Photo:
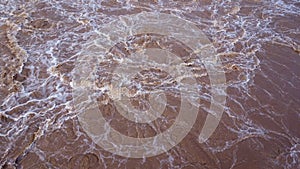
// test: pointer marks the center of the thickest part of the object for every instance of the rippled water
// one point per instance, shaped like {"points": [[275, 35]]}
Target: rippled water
{"points": [[257, 41]]}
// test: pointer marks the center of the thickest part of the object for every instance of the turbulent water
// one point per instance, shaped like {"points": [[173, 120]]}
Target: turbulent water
{"points": [[258, 43]]}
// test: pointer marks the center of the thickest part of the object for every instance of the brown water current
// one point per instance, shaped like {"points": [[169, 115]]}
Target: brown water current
{"points": [[42, 44]]}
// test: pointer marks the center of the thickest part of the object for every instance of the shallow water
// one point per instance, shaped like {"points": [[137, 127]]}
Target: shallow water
{"points": [[258, 43]]}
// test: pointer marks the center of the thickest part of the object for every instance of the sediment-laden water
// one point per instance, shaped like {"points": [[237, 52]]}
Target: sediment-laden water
{"points": [[257, 42]]}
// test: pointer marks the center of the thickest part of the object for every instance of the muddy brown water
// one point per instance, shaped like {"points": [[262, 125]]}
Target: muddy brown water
{"points": [[257, 41]]}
